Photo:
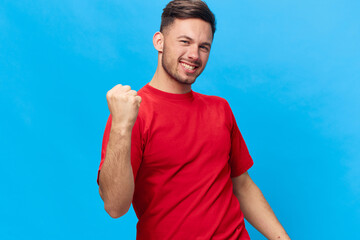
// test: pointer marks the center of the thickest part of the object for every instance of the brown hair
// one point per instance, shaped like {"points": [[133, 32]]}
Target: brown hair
{"points": [[184, 9]]}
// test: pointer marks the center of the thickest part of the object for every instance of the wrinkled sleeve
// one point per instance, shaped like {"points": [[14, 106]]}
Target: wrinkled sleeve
{"points": [[136, 146], [240, 160]]}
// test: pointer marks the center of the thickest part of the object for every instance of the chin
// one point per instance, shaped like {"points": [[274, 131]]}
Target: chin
{"points": [[186, 81]]}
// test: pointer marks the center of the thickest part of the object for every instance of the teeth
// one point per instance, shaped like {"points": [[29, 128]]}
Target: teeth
{"points": [[187, 66]]}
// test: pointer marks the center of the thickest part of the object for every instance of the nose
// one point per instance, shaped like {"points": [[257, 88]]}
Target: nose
{"points": [[193, 53]]}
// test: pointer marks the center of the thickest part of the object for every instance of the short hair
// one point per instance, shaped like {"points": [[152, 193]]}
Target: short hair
{"points": [[184, 9]]}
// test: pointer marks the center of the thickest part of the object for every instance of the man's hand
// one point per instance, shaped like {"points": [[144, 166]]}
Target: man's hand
{"points": [[124, 106]]}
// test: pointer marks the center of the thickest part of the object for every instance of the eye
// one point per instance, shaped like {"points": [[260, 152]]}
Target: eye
{"points": [[185, 41], [205, 48]]}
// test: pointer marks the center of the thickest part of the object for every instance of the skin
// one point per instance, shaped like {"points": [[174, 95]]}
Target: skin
{"points": [[186, 41], [116, 180], [256, 209]]}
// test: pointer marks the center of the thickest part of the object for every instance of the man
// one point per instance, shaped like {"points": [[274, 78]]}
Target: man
{"points": [[178, 155]]}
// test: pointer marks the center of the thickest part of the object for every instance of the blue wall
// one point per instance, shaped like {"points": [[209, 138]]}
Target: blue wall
{"points": [[290, 70]]}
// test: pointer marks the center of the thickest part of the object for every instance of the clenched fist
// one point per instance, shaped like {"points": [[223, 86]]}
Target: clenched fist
{"points": [[124, 106]]}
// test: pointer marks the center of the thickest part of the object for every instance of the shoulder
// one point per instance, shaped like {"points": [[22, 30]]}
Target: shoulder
{"points": [[217, 106], [141, 92], [209, 97], [213, 100]]}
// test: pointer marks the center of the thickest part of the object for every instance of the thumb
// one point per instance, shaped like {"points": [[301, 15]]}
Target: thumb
{"points": [[138, 100]]}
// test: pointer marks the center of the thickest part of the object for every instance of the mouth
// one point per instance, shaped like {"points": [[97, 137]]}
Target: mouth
{"points": [[189, 67]]}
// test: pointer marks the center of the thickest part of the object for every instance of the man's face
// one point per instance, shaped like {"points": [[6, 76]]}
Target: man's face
{"points": [[186, 49]]}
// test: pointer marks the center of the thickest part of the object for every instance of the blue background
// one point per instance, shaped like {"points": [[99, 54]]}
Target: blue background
{"points": [[289, 69]]}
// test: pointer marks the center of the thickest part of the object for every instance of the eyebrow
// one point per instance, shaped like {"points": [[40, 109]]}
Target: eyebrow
{"points": [[189, 38]]}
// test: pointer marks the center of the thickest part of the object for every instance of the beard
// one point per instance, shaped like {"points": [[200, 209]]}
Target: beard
{"points": [[171, 67]]}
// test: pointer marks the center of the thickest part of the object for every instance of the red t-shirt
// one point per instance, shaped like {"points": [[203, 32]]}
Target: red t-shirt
{"points": [[185, 148]]}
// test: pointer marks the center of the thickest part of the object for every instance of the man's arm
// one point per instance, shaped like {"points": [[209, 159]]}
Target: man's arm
{"points": [[116, 180], [256, 209]]}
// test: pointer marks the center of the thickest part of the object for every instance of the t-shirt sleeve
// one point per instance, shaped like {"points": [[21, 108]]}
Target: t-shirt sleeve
{"points": [[136, 146], [240, 160]]}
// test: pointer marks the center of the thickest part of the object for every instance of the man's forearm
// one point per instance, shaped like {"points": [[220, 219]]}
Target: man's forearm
{"points": [[116, 179], [258, 211]]}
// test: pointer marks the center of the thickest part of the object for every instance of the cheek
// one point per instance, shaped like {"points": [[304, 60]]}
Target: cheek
{"points": [[204, 58], [182, 52], [176, 53]]}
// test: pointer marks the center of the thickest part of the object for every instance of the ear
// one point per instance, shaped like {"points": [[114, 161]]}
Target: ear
{"points": [[158, 41]]}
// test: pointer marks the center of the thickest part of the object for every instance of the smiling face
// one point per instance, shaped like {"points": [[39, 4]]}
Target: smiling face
{"points": [[186, 49]]}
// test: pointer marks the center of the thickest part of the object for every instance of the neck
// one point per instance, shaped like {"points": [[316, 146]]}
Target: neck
{"points": [[162, 81]]}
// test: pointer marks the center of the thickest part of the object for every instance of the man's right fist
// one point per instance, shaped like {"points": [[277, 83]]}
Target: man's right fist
{"points": [[124, 106]]}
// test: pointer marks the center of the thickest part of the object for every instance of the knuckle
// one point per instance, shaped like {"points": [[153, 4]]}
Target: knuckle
{"points": [[131, 99], [126, 87], [133, 92], [116, 87], [122, 97]]}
